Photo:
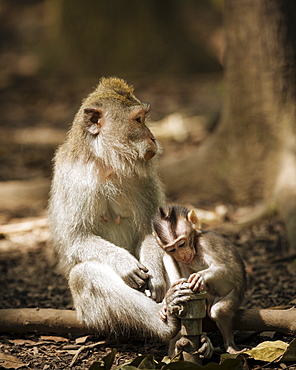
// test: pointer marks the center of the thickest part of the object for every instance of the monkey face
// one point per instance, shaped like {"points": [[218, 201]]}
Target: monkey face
{"points": [[140, 135], [181, 249], [176, 230], [123, 129]]}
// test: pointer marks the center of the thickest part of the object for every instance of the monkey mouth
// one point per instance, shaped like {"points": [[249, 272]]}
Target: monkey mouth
{"points": [[188, 260]]}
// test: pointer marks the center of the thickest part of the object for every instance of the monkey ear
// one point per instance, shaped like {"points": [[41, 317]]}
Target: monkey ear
{"points": [[157, 238], [93, 120], [194, 220], [161, 212]]}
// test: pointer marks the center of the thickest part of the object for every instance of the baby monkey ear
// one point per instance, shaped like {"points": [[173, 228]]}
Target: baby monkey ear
{"points": [[194, 220], [93, 120], [160, 243]]}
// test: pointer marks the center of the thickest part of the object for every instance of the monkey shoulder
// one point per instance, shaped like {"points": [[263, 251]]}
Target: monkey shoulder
{"points": [[215, 243], [218, 250]]}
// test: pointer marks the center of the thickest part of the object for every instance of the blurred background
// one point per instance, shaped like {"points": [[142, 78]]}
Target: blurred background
{"points": [[225, 117], [52, 54]]}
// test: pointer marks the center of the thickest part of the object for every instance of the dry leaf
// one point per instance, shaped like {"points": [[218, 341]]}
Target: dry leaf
{"points": [[10, 362], [54, 338], [21, 342], [35, 351], [268, 351], [81, 340], [71, 351]]}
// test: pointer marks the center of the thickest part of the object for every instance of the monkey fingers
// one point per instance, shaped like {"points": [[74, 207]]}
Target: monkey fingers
{"points": [[206, 350], [140, 277], [142, 267], [163, 313], [157, 289], [140, 280], [179, 292], [196, 282], [135, 274]]}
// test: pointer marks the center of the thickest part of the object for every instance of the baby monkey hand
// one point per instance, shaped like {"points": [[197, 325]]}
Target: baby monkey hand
{"points": [[196, 282], [163, 313]]}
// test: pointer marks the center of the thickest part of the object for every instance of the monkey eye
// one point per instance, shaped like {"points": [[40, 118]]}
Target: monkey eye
{"points": [[172, 250], [138, 119], [182, 245]]}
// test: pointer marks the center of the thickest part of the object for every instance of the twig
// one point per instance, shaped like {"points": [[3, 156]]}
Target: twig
{"points": [[265, 365], [82, 348]]}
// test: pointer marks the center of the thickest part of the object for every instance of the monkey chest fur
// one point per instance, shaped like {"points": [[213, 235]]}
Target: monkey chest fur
{"points": [[124, 214]]}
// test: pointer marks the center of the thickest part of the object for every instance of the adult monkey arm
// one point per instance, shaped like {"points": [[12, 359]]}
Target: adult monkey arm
{"points": [[152, 257], [79, 238]]}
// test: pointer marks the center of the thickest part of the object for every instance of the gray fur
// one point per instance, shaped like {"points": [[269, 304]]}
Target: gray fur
{"points": [[103, 197]]}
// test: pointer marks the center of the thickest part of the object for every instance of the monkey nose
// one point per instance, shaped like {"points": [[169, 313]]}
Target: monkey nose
{"points": [[149, 154], [151, 148]]}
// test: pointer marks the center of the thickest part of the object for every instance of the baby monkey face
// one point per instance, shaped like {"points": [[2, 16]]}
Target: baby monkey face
{"points": [[181, 249], [175, 229]]}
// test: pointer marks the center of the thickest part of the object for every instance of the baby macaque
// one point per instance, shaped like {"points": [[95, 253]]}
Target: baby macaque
{"points": [[209, 262]]}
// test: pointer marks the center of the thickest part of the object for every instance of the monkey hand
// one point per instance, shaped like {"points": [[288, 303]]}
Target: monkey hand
{"points": [[156, 286], [196, 282], [206, 349], [163, 313], [178, 293], [132, 272]]}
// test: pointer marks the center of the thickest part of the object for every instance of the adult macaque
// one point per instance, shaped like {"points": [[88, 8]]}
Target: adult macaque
{"points": [[209, 262], [104, 193]]}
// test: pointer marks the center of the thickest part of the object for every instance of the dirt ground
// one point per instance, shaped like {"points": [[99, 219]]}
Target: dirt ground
{"points": [[35, 116], [28, 279]]}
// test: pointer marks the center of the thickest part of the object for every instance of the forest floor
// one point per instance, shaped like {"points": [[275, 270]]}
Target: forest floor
{"points": [[34, 121]]}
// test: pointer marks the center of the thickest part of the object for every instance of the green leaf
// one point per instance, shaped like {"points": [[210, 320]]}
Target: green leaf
{"points": [[97, 365], [140, 362], [106, 362], [182, 365], [147, 362], [229, 364], [290, 354]]}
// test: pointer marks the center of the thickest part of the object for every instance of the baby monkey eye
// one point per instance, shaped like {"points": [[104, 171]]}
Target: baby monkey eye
{"points": [[182, 245], [138, 119], [172, 250]]}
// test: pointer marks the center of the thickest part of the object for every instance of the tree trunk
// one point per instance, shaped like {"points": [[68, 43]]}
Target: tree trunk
{"points": [[251, 156]]}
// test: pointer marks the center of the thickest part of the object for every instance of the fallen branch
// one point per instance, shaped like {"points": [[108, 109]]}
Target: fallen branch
{"points": [[24, 226], [282, 321], [24, 320], [47, 320]]}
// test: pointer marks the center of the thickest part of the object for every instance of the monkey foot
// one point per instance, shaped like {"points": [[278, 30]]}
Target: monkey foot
{"points": [[234, 350]]}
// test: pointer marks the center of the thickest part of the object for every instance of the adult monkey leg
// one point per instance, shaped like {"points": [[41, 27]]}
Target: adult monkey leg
{"points": [[103, 301]]}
